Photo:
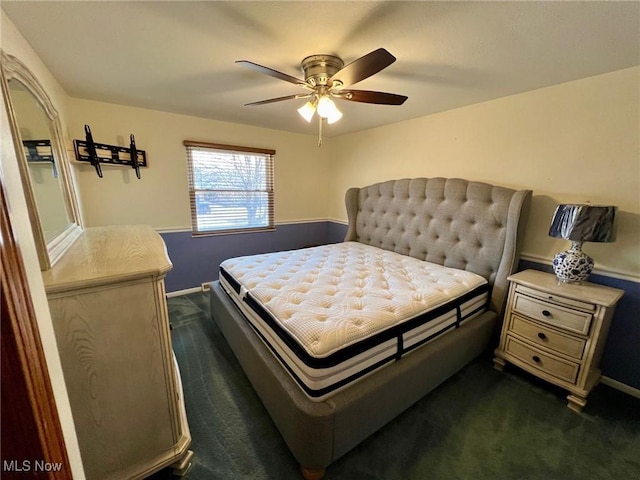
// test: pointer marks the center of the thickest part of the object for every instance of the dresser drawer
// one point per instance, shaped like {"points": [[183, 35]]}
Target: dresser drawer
{"points": [[562, 369], [565, 344], [552, 314]]}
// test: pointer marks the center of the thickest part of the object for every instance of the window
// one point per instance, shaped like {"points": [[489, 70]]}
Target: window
{"points": [[230, 188]]}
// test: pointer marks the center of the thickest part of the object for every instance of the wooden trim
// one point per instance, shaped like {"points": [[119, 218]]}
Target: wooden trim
{"points": [[233, 231], [623, 387], [617, 273], [235, 148], [31, 430]]}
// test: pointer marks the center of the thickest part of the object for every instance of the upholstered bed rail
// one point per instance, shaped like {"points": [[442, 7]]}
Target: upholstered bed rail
{"points": [[449, 221]]}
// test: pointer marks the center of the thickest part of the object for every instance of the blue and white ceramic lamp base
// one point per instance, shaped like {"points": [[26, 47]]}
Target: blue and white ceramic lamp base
{"points": [[573, 265]]}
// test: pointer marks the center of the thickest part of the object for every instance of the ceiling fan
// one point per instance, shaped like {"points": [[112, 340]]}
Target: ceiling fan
{"points": [[326, 77]]}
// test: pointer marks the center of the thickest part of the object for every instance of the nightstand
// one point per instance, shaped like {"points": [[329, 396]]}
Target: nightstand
{"points": [[557, 331]]}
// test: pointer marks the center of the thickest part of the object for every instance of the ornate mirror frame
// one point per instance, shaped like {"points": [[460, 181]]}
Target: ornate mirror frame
{"points": [[48, 251]]}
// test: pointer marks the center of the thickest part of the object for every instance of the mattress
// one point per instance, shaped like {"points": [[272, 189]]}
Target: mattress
{"points": [[335, 313]]}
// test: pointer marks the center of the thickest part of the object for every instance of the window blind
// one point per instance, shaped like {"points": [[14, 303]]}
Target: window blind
{"points": [[230, 188]]}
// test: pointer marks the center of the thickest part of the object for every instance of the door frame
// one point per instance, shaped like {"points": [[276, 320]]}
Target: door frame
{"points": [[31, 430]]}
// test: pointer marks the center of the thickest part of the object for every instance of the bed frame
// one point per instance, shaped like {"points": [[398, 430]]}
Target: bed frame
{"points": [[453, 222]]}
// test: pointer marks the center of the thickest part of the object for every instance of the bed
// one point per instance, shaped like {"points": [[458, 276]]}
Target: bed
{"points": [[337, 340]]}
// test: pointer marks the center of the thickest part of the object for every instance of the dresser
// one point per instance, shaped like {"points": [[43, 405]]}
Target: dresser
{"points": [[557, 331], [107, 301]]}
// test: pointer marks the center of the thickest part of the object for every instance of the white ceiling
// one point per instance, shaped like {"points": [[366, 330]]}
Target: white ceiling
{"points": [[179, 56]]}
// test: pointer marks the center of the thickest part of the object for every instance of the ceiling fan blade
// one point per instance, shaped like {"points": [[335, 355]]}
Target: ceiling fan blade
{"points": [[272, 73], [367, 96], [279, 99], [363, 67]]}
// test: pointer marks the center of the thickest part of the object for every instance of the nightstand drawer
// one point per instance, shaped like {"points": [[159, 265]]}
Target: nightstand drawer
{"points": [[568, 319], [568, 345], [562, 369], [564, 301]]}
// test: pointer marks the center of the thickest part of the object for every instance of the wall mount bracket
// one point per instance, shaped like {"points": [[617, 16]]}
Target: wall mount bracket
{"points": [[100, 153], [39, 151]]}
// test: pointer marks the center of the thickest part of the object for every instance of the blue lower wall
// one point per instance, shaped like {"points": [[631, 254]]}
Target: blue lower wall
{"points": [[336, 232], [196, 260]]}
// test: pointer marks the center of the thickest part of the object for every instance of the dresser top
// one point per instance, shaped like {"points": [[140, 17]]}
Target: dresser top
{"points": [[103, 255], [585, 291]]}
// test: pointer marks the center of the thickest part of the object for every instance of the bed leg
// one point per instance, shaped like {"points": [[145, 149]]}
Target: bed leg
{"points": [[312, 473]]}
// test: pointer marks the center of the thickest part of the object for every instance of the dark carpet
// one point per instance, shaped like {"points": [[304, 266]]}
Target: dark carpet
{"points": [[481, 424]]}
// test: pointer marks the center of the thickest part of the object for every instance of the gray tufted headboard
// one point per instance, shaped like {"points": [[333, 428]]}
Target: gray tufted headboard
{"points": [[453, 222]]}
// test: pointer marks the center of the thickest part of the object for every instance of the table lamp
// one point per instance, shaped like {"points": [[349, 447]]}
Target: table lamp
{"points": [[580, 223]]}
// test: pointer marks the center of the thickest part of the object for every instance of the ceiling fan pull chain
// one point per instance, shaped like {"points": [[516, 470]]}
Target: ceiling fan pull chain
{"points": [[319, 131]]}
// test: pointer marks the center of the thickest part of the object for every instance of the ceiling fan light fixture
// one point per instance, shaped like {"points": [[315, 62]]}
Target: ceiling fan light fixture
{"points": [[334, 117], [325, 76], [327, 109], [307, 110]]}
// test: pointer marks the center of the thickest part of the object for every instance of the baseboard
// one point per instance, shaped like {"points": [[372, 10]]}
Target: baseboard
{"points": [[623, 387], [186, 291]]}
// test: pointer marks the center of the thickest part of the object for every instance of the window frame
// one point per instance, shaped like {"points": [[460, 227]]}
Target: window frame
{"points": [[270, 190]]}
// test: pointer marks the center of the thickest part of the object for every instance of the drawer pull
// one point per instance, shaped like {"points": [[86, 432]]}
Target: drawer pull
{"points": [[536, 359], [542, 336], [546, 313]]}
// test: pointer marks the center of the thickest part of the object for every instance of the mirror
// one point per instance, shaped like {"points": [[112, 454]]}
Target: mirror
{"points": [[39, 146], [33, 125]]}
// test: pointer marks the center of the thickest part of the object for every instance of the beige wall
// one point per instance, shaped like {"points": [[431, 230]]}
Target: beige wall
{"points": [[12, 42], [574, 142], [161, 197]]}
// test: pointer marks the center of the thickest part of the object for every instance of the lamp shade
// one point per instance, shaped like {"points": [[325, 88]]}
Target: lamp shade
{"points": [[327, 109], [584, 223], [307, 111]]}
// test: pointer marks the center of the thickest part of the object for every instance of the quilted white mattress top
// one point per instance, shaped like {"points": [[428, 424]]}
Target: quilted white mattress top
{"points": [[332, 296]]}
